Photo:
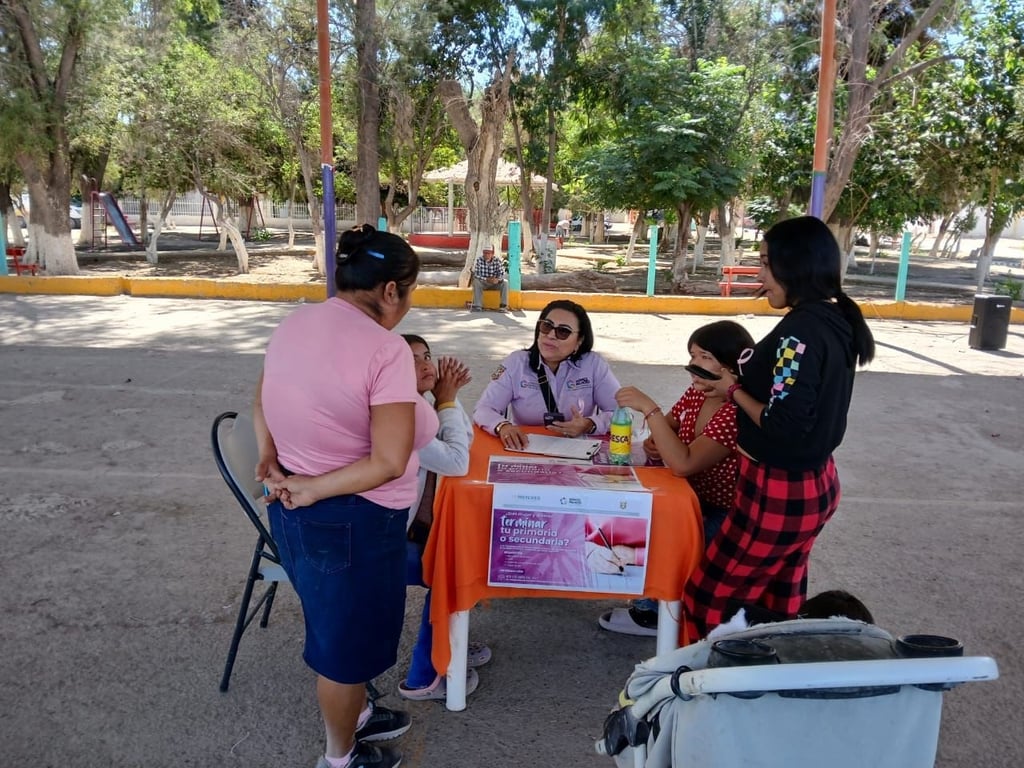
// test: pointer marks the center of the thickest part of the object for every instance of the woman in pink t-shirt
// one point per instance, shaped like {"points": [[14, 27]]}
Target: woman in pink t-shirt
{"points": [[339, 420], [696, 440]]}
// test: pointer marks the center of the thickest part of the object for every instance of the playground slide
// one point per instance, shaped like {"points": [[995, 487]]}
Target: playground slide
{"points": [[117, 219]]}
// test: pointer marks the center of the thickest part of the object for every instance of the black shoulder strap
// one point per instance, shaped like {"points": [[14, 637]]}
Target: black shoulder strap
{"points": [[542, 380], [545, 390]]}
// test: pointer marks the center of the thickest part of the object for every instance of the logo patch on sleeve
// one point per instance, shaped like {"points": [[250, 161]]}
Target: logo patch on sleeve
{"points": [[497, 373]]}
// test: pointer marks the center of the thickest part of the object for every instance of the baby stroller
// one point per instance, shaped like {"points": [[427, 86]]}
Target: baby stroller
{"points": [[833, 692]]}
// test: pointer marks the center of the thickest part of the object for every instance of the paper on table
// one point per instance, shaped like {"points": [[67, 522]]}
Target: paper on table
{"points": [[546, 445]]}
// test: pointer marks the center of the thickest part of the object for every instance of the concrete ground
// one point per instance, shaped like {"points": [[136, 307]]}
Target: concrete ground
{"points": [[124, 553]]}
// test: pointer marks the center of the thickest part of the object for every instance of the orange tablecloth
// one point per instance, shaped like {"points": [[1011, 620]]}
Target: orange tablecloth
{"points": [[456, 556]]}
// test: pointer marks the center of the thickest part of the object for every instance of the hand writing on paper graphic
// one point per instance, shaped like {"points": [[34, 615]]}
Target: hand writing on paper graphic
{"points": [[601, 559]]}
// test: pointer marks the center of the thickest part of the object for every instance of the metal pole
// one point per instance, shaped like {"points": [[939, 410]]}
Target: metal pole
{"points": [[651, 257], [3, 243], [901, 275], [515, 251], [823, 125], [323, 45]]}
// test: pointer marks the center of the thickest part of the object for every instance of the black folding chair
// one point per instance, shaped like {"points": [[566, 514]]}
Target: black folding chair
{"points": [[236, 454]]}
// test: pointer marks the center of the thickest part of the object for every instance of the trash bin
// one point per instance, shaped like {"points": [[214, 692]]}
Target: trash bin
{"points": [[990, 322]]}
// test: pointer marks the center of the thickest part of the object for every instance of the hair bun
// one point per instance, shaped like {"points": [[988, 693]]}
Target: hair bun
{"points": [[353, 240]]}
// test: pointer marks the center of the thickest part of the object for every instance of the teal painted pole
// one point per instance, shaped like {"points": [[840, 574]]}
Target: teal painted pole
{"points": [[651, 258], [3, 244], [382, 224], [901, 276], [515, 255]]}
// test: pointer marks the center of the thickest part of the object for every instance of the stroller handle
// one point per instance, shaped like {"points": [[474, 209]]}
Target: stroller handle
{"points": [[835, 674]]}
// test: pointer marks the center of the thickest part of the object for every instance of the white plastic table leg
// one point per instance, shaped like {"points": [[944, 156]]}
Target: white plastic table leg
{"points": [[458, 636], [669, 612]]}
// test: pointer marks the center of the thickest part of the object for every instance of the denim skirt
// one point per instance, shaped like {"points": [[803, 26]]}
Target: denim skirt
{"points": [[346, 559]]}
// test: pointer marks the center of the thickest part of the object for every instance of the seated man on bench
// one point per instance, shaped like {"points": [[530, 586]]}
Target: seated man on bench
{"points": [[488, 275]]}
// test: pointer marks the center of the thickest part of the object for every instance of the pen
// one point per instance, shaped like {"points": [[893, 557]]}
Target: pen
{"points": [[609, 545]]}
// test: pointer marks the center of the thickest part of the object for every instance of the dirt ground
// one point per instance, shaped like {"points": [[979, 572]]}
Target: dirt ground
{"points": [[185, 254], [125, 553]]}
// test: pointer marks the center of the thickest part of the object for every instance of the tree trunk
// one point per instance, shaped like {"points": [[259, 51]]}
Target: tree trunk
{"points": [[873, 251], [525, 186], [320, 254], [49, 229], [368, 126], [944, 223], [726, 228], [11, 224], [860, 31], [597, 227], [638, 227], [698, 245], [483, 150], [228, 229], [46, 167], [679, 278], [166, 204], [291, 218]]}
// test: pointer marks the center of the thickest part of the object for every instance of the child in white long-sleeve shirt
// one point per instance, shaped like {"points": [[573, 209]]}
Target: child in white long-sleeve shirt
{"points": [[447, 454]]}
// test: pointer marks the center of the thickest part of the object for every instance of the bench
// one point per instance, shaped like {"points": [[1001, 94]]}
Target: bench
{"points": [[15, 253], [730, 282]]}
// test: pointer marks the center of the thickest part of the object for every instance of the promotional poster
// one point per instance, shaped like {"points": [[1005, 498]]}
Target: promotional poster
{"points": [[571, 538]]}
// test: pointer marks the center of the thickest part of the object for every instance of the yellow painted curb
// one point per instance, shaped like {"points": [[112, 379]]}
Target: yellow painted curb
{"points": [[429, 296], [80, 285], [208, 288]]}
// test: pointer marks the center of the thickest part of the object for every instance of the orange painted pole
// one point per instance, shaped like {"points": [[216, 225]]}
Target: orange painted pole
{"points": [[823, 125], [323, 45]]}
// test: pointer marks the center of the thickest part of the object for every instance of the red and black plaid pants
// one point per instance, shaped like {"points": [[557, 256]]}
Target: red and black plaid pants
{"points": [[759, 556]]}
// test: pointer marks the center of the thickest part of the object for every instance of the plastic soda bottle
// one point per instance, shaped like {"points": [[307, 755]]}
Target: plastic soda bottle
{"points": [[620, 444]]}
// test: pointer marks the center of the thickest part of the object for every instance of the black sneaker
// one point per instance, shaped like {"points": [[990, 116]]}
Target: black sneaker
{"points": [[384, 724], [368, 756]]}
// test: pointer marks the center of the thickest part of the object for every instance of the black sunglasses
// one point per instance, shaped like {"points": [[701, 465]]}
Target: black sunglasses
{"points": [[562, 332]]}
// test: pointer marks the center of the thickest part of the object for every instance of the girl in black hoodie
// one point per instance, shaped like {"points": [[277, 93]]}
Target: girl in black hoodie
{"points": [[792, 397]]}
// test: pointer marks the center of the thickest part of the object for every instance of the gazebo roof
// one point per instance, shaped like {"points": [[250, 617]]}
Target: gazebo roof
{"points": [[508, 175]]}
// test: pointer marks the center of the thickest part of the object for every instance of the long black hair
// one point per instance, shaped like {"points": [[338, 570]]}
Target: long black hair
{"points": [[724, 339], [367, 258], [804, 257], [585, 334]]}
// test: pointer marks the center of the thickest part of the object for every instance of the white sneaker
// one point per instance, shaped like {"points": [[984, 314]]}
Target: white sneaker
{"points": [[629, 621]]}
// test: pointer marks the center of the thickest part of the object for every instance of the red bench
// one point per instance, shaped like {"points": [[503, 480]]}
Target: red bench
{"points": [[15, 253], [730, 282]]}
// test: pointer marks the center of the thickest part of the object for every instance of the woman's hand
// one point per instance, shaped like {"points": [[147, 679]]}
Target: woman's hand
{"points": [[576, 426], [268, 472], [631, 397], [512, 436], [721, 386], [651, 450], [452, 375], [295, 490]]}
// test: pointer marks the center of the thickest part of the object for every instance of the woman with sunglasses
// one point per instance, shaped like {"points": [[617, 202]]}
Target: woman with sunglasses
{"points": [[792, 396], [558, 382]]}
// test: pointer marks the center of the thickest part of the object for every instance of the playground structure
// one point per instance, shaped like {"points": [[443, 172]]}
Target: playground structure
{"points": [[104, 211]]}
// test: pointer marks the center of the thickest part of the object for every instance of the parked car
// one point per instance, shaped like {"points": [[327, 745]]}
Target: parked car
{"points": [[23, 211], [577, 223]]}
